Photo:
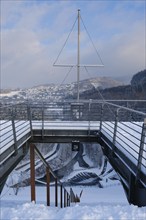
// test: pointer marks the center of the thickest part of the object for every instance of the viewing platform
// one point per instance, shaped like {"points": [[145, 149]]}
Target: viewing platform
{"points": [[119, 130]]}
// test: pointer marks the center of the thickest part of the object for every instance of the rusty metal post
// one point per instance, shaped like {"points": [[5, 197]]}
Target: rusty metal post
{"points": [[56, 193], [61, 201], [32, 172], [48, 185]]}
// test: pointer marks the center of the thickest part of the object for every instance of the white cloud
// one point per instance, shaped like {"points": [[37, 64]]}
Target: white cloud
{"points": [[33, 34]]}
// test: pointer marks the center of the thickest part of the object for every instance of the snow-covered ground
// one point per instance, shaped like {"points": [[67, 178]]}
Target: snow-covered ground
{"points": [[96, 203], [107, 203]]}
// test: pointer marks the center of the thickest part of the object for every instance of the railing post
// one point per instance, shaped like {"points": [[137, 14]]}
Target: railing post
{"points": [[14, 133], [69, 200], [56, 193], [115, 127], [89, 112], [42, 120], [141, 148], [30, 118], [48, 185], [68, 203], [32, 171], [101, 117], [61, 201], [64, 197]]}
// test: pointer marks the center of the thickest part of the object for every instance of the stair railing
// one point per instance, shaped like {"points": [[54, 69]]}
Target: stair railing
{"points": [[67, 198]]}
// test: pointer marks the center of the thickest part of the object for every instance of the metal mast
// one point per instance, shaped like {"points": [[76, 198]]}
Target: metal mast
{"points": [[78, 58], [78, 65]]}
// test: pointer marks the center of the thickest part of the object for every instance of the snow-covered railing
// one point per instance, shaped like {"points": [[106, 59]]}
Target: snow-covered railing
{"points": [[123, 126], [13, 134], [128, 136], [65, 197]]}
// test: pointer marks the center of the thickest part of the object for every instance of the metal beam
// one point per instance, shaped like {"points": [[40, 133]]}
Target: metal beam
{"points": [[61, 198], [56, 193], [48, 185]]}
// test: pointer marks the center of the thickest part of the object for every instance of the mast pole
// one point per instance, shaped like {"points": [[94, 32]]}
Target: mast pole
{"points": [[78, 57]]}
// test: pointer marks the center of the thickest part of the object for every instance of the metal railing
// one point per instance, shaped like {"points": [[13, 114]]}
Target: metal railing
{"points": [[71, 110], [128, 136], [125, 127], [64, 200]]}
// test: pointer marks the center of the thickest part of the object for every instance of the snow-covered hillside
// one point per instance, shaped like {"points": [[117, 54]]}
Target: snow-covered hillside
{"points": [[52, 92], [88, 166]]}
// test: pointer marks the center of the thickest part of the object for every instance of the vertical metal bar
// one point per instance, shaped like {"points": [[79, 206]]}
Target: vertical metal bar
{"points": [[42, 121], [61, 199], [67, 199], [141, 148], [64, 197], [101, 117], [30, 118], [71, 195], [78, 57], [48, 185], [89, 116], [56, 193], [14, 133], [32, 172], [115, 127]]}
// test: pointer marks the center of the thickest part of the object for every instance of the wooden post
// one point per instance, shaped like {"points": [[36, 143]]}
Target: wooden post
{"points": [[48, 185], [32, 172], [61, 201], [56, 193]]}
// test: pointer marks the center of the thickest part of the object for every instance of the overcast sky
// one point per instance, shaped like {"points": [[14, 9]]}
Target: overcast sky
{"points": [[33, 33]]}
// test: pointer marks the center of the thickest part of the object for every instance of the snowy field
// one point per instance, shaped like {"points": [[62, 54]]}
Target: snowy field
{"points": [[108, 203]]}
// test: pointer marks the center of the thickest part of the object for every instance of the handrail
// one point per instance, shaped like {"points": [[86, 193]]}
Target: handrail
{"points": [[125, 108], [67, 196], [124, 132], [28, 102]]}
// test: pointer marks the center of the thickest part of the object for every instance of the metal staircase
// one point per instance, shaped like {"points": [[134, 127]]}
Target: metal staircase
{"points": [[120, 131]]}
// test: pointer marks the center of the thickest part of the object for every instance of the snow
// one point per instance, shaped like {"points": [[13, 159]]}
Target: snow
{"points": [[10, 94], [66, 125], [96, 204]]}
